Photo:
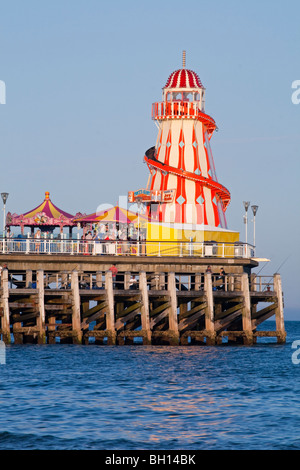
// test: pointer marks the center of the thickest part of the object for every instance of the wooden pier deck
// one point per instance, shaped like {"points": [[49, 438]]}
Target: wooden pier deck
{"points": [[59, 298]]}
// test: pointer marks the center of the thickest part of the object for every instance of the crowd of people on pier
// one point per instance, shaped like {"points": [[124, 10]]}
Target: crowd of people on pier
{"points": [[111, 232], [104, 233], [108, 235]]}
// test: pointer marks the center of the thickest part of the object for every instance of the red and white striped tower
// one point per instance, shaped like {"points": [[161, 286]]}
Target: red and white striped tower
{"points": [[182, 172]]}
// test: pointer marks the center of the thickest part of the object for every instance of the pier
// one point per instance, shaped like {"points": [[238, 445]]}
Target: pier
{"points": [[133, 278], [158, 300]]}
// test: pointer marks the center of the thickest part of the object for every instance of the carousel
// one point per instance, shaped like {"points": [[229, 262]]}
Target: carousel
{"points": [[45, 217]]}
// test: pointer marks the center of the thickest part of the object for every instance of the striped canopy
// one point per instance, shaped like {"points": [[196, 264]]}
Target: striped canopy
{"points": [[45, 216], [115, 214], [49, 209]]}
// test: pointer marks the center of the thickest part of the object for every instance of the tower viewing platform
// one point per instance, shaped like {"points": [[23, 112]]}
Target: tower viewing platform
{"points": [[182, 110]]}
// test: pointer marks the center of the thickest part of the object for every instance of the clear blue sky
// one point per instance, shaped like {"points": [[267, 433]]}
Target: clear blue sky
{"points": [[81, 76]]}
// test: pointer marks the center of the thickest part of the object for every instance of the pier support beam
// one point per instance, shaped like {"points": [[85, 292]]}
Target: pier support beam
{"points": [[41, 313], [28, 278], [99, 279], [145, 319], [173, 319], [110, 313], [209, 310], [5, 324], [51, 329], [76, 323], [246, 311], [280, 330]]}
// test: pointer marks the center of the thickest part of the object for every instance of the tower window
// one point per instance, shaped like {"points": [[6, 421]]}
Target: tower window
{"points": [[187, 96]]}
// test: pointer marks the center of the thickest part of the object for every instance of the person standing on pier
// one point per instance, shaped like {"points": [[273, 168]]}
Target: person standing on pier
{"points": [[221, 278], [133, 284], [89, 245], [9, 236], [37, 237]]}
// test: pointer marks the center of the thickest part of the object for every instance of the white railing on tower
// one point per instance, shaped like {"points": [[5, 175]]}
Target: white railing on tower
{"points": [[173, 109]]}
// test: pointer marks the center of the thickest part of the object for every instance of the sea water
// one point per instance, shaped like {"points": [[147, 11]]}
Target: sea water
{"points": [[151, 397]]}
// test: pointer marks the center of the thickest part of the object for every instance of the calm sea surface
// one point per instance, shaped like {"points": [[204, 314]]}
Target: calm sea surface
{"points": [[151, 397]]}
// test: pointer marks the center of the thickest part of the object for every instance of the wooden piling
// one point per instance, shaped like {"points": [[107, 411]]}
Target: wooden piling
{"points": [[145, 319], [209, 310], [76, 323], [5, 324], [28, 278], [246, 311], [99, 279], [110, 313], [173, 320], [280, 330], [51, 329], [41, 307]]}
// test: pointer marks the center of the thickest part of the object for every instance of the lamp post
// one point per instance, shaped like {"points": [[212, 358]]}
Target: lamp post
{"points": [[4, 199], [254, 210], [246, 205]]}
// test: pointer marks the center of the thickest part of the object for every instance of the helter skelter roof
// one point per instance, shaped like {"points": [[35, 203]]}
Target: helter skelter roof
{"points": [[184, 78]]}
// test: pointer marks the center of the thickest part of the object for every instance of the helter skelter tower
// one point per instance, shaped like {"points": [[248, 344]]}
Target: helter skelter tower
{"points": [[183, 194]]}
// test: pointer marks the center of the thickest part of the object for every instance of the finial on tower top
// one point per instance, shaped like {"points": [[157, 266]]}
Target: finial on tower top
{"points": [[183, 59]]}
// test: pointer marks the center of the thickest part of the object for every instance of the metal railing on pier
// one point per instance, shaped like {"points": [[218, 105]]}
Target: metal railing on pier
{"points": [[63, 246], [131, 280], [262, 283]]}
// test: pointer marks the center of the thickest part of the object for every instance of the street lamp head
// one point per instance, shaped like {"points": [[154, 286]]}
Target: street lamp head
{"points": [[254, 210], [4, 197], [246, 205]]}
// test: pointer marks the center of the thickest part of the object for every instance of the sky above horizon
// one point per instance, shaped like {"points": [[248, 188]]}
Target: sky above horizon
{"points": [[81, 77]]}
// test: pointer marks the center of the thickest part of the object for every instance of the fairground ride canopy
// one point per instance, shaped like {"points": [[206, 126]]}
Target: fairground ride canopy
{"points": [[46, 216], [116, 215]]}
